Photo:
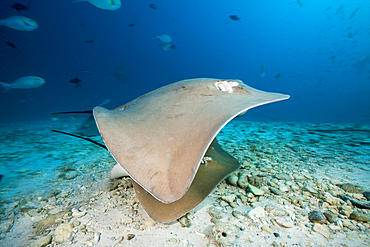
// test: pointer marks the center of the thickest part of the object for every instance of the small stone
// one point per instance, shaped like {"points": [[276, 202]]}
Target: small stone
{"points": [[330, 217], [225, 234], [346, 222], [215, 213], [335, 227], [276, 234], [345, 212], [150, 222], [267, 228], [76, 223], [63, 233], [130, 236], [284, 188], [233, 180], [243, 180], [294, 187], [283, 176], [41, 241], [351, 235], [317, 216], [173, 241], [78, 214], [275, 191], [256, 213], [184, 221], [255, 190], [257, 180], [71, 175], [357, 196], [309, 189], [323, 230], [284, 222], [351, 188], [229, 199], [299, 177], [360, 217], [275, 210]]}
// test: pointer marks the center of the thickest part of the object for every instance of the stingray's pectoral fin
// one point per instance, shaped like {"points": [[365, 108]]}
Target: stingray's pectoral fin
{"points": [[216, 165]]}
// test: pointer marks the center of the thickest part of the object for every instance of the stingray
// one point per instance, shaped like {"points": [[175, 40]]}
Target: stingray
{"points": [[166, 141]]}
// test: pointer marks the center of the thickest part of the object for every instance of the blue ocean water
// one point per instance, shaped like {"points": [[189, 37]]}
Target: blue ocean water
{"points": [[318, 50]]}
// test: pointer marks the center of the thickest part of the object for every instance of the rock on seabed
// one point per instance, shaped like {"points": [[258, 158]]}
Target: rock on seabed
{"points": [[63, 233], [225, 234]]}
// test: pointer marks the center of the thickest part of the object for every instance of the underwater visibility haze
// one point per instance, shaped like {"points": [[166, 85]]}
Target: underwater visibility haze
{"points": [[292, 173], [316, 51]]}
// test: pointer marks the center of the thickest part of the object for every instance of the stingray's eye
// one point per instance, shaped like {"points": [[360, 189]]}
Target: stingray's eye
{"points": [[226, 86]]}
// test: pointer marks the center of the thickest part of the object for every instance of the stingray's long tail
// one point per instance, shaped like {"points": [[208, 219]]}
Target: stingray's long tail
{"points": [[81, 137], [68, 112]]}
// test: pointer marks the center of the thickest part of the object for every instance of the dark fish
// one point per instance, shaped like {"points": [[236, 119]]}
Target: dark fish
{"points": [[76, 81], [1, 177], [131, 25], [19, 6], [153, 6], [234, 17], [278, 76], [10, 44], [90, 41], [353, 13]]}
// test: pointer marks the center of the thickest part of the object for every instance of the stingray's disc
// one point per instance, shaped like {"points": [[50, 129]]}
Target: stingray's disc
{"points": [[161, 137]]}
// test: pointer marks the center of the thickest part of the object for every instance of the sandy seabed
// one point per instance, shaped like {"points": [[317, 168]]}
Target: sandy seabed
{"points": [[56, 190]]}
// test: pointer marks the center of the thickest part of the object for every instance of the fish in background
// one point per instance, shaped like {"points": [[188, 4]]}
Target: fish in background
{"points": [[20, 23], [10, 44], [353, 13], [263, 72], [234, 17], [76, 81], [278, 76], [164, 38], [19, 7], [167, 47], [103, 4], [153, 6], [24, 83]]}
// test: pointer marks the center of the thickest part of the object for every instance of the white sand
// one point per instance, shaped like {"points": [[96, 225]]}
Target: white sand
{"points": [[36, 162]]}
